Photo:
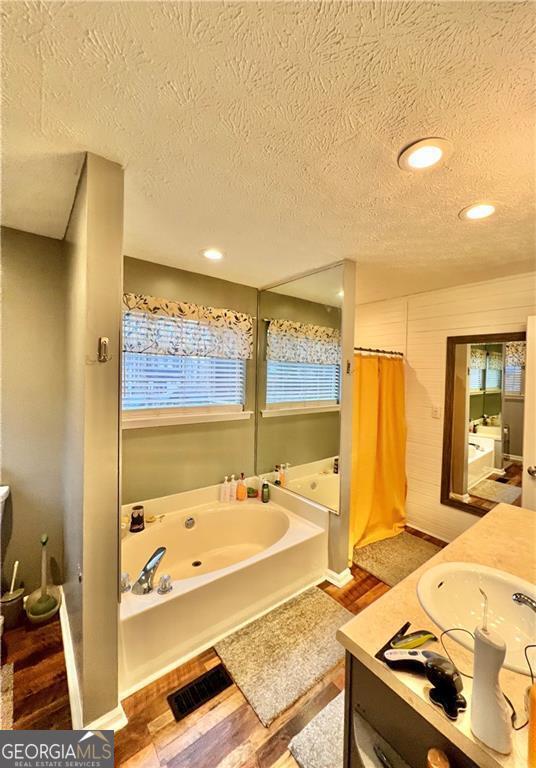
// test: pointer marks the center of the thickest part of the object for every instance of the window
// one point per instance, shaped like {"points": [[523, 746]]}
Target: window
{"points": [[514, 380], [182, 359], [514, 368], [302, 383], [476, 379], [493, 378], [303, 366], [168, 381]]}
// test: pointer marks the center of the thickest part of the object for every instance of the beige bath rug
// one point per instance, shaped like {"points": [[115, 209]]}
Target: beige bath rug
{"points": [[491, 490], [320, 744], [391, 560], [6, 697], [279, 657]]}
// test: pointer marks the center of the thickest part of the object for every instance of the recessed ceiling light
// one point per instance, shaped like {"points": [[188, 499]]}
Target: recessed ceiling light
{"points": [[213, 254], [424, 154], [477, 211]]}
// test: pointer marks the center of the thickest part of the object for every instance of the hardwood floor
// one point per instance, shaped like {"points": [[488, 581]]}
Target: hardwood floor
{"points": [[40, 693], [224, 733]]}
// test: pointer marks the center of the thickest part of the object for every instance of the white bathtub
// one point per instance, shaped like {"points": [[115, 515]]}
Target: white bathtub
{"points": [[321, 487], [253, 556], [480, 459]]}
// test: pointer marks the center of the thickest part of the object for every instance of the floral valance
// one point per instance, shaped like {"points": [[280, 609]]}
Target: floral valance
{"points": [[515, 354], [495, 361], [478, 358], [292, 342], [164, 327]]}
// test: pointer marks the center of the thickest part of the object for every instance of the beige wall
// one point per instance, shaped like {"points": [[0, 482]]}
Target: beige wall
{"points": [[165, 460], [32, 422], [73, 516], [94, 263], [419, 325], [296, 439], [513, 412]]}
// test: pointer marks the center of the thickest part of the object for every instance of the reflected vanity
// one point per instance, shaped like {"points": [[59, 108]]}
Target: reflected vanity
{"points": [[298, 385], [484, 414]]}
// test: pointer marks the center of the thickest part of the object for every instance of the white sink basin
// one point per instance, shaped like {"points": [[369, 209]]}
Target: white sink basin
{"points": [[449, 593]]}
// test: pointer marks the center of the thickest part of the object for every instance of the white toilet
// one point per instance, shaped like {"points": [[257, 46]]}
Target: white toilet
{"points": [[4, 493]]}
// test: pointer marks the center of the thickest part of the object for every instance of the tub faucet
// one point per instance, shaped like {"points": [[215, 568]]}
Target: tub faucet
{"points": [[144, 584], [521, 599]]}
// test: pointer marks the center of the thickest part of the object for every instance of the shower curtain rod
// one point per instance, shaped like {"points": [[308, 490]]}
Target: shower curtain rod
{"points": [[379, 351]]}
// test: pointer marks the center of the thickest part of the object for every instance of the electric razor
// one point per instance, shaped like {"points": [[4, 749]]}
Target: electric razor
{"points": [[447, 683]]}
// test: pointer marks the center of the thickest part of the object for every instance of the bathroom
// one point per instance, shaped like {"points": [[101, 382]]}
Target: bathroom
{"points": [[267, 381]]}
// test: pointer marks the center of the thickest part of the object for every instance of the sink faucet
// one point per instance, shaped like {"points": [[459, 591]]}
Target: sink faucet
{"points": [[144, 584], [521, 599]]}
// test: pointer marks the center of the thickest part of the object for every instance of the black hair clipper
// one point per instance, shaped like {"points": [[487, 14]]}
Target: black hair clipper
{"points": [[445, 678]]}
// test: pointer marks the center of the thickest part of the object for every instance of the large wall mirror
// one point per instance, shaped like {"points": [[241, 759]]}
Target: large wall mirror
{"points": [[484, 414], [299, 383]]}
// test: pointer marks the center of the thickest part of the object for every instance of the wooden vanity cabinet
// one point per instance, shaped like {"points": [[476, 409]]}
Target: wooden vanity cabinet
{"points": [[394, 719]]}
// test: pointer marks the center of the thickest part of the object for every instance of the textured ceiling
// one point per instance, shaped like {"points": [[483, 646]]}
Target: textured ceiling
{"points": [[271, 131]]}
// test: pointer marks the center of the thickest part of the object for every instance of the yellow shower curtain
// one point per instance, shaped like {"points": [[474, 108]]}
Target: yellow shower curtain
{"points": [[377, 506]]}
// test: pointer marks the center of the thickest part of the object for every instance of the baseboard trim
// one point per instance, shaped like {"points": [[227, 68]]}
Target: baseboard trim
{"points": [[75, 698], [111, 721], [465, 497], [339, 579], [214, 640]]}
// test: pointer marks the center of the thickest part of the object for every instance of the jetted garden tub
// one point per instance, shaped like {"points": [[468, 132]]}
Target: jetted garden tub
{"points": [[237, 561]]}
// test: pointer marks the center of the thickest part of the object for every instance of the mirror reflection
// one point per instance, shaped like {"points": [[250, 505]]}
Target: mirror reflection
{"points": [[486, 399], [299, 374]]}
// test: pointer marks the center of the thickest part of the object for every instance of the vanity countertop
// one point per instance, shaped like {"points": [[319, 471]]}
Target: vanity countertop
{"points": [[504, 539]]}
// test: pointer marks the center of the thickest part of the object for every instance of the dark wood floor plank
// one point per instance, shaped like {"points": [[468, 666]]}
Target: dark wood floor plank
{"points": [[277, 744], [40, 691], [177, 736], [215, 745]]}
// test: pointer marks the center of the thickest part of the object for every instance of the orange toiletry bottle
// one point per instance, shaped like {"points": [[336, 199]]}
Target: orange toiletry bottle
{"points": [[241, 490], [532, 726]]}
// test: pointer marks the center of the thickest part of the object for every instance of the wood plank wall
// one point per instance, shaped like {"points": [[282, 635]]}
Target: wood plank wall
{"points": [[419, 325]]}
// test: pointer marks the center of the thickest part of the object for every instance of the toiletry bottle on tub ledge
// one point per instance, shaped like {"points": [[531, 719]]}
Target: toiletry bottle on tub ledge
{"points": [[232, 489], [225, 490], [241, 490]]}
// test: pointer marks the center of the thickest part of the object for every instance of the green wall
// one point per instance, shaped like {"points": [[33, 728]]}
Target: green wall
{"points": [[33, 401], [297, 439], [159, 461]]}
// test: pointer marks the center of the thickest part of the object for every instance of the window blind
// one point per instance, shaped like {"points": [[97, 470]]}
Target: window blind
{"points": [[476, 379], [173, 381], [493, 378], [302, 383], [514, 380]]}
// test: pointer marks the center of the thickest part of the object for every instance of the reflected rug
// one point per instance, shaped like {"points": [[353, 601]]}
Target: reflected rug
{"points": [[491, 490], [279, 657]]}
